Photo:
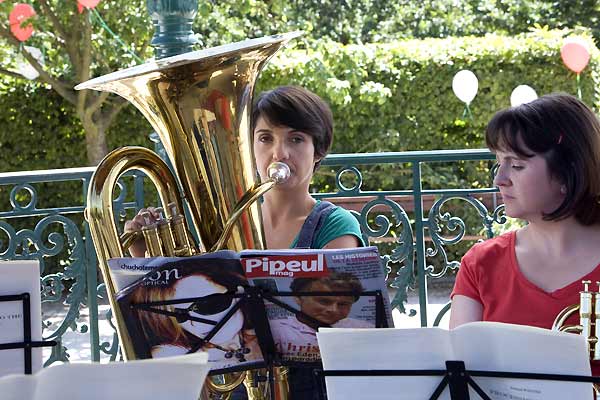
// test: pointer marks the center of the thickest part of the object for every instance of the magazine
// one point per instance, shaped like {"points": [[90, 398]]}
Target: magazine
{"points": [[178, 378], [18, 277], [294, 320], [483, 346], [238, 307], [189, 304]]}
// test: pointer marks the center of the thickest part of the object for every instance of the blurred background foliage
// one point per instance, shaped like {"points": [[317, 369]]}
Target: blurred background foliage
{"points": [[368, 21], [385, 66]]}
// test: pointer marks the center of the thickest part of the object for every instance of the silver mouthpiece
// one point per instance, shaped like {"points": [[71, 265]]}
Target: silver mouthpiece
{"points": [[278, 171]]}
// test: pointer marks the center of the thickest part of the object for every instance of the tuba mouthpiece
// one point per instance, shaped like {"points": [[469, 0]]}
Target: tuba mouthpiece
{"points": [[278, 171]]}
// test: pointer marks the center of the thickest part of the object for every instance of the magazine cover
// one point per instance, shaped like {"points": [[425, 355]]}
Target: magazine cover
{"points": [[127, 270], [189, 304], [342, 270]]}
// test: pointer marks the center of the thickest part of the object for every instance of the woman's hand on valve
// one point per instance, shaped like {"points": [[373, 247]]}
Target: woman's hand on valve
{"points": [[144, 217]]}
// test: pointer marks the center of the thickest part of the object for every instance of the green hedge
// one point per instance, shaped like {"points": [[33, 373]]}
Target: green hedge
{"points": [[41, 131], [398, 96], [385, 97]]}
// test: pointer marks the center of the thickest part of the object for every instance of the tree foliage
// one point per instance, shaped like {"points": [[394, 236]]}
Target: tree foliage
{"points": [[385, 97], [76, 48]]}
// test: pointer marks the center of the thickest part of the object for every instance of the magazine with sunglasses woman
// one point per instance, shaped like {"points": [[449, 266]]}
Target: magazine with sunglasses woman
{"points": [[189, 305]]}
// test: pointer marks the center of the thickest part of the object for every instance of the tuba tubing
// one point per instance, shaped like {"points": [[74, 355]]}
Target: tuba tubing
{"points": [[100, 214]]}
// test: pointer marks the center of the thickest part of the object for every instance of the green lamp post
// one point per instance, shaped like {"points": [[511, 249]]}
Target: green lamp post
{"points": [[172, 21]]}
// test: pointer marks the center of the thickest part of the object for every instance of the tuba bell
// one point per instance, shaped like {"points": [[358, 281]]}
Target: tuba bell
{"points": [[199, 104]]}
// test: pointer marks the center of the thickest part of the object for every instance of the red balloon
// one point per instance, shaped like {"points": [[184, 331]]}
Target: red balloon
{"points": [[21, 12], [575, 55], [88, 3]]}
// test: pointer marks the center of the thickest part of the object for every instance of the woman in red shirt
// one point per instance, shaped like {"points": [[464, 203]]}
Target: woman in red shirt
{"points": [[548, 173]]}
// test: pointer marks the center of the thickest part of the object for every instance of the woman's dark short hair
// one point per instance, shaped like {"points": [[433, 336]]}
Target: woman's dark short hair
{"points": [[300, 109], [566, 133], [336, 281]]}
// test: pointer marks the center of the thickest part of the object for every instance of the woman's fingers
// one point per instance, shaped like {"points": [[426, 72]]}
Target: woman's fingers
{"points": [[132, 226], [155, 213], [143, 218]]}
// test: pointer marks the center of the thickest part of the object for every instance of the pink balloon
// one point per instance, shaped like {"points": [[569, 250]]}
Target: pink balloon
{"points": [[575, 55], [20, 13], [88, 3]]}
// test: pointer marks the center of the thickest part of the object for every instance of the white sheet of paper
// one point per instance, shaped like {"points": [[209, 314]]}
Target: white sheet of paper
{"points": [[484, 346], [18, 277], [524, 349], [169, 378], [348, 349], [17, 387]]}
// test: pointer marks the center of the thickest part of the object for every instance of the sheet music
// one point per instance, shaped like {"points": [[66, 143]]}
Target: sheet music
{"points": [[178, 378], [517, 348], [17, 277], [481, 345]]}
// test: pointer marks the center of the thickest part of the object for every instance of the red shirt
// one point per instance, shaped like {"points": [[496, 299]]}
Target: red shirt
{"points": [[489, 274]]}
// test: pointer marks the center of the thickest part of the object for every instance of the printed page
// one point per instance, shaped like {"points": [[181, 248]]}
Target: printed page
{"points": [[309, 270], [18, 277], [492, 346], [395, 349], [178, 378]]}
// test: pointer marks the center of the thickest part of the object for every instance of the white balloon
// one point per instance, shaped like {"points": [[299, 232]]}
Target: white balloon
{"points": [[465, 85], [522, 94]]}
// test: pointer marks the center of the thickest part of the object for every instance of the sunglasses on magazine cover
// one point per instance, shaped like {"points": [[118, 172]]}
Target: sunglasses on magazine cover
{"points": [[208, 305]]}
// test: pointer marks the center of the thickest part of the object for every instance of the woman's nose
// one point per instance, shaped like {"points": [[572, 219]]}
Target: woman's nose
{"points": [[501, 178], [280, 152]]}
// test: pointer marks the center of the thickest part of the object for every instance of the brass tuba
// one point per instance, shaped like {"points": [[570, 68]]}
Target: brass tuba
{"points": [[199, 103]]}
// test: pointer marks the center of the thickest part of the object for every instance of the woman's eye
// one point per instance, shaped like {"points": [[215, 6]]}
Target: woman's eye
{"points": [[297, 139], [264, 138], [517, 167]]}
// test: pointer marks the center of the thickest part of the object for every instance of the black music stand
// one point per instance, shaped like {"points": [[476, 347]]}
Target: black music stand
{"points": [[27, 344], [455, 376], [254, 298]]}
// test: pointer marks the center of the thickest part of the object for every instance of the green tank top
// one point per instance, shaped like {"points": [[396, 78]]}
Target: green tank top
{"points": [[339, 222]]}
